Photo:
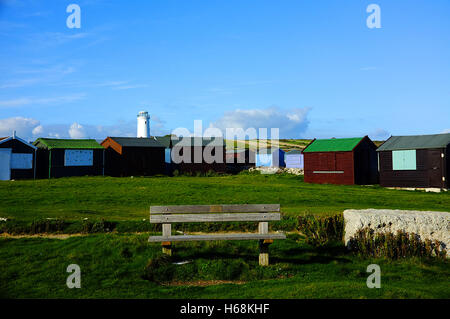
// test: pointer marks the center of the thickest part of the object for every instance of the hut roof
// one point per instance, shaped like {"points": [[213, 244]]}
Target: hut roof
{"points": [[55, 143], [164, 140], [198, 141], [137, 142], [333, 145], [415, 142], [294, 152], [15, 137]]}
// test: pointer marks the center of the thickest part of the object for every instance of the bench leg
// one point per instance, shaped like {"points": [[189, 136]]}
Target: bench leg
{"points": [[167, 245], [264, 252], [167, 248]]}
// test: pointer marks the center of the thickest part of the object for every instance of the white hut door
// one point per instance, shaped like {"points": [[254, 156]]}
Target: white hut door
{"points": [[5, 164]]}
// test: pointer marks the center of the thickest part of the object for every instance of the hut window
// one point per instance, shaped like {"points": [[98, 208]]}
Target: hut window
{"points": [[167, 158], [78, 158], [404, 160], [21, 161]]}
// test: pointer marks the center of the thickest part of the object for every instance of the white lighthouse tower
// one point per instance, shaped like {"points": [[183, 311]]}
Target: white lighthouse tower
{"points": [[143, 124]]}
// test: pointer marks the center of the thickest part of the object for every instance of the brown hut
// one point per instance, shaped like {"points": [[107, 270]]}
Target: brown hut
{"points": [[198, 154], [415, 161], [341, 161], [133, 156], [239, 159]]}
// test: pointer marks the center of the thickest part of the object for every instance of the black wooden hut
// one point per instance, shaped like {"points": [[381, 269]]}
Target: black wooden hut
{"points": [[420, 161], [68, 157], [133, 156], [17, 158], [167, 143], [239, 159], [198, 154]]}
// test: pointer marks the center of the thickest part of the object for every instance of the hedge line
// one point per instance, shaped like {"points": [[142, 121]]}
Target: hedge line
{"points": [[59, 226]]}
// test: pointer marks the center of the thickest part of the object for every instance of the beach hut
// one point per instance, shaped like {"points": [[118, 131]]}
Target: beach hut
{"points": [[166, 141], [17, 158], [133, 156], [68, 157], [270, 157], [239, 159], [294, 159], [421, 161], [198, 154], [341, 161]]}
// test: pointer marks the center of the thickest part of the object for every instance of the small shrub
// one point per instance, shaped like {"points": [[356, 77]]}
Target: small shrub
{"points": [[99, 226], [46, 226], [210, 173], [176, 173], [320, 231], [159, 269], [368, 243]]}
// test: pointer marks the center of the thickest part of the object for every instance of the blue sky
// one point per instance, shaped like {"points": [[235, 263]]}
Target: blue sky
{"points": [[311, 68]]}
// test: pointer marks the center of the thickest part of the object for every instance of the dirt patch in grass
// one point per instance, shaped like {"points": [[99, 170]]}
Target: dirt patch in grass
{"points": [[53, 236], [203, 283]]}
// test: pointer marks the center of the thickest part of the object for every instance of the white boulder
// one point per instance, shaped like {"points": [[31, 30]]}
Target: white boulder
{"points": [[426, 224]]}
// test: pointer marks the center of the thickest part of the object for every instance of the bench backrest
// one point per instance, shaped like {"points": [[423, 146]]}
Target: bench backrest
{"points": [[214, 213]]}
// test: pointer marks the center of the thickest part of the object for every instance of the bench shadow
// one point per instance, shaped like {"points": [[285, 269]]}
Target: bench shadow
{"points": [[295, 255]]}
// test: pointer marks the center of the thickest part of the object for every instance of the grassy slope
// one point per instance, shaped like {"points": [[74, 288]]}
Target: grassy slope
{"points": [[36, 268], [130, 198]]}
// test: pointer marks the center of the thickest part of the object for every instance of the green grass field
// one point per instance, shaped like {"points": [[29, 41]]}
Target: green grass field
{"points": [[130, 198], [36, 268], [112, 264]]}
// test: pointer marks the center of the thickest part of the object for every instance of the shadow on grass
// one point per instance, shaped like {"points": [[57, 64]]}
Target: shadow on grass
{"points": [[311, 255], [295, 255]]}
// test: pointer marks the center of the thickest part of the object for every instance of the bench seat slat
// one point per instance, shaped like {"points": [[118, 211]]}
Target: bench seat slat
{"points": [[198, 209], [217, 237], [190, 218]]}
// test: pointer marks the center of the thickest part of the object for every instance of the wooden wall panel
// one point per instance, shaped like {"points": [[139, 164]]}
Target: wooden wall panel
{"points": [[329, 161], [421, 177]]}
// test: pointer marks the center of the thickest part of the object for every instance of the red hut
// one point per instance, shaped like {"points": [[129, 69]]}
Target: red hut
{"points": [[341, 161]]}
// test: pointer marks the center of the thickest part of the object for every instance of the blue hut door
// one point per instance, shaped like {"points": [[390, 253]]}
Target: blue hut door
{"points": [[5, 164]]}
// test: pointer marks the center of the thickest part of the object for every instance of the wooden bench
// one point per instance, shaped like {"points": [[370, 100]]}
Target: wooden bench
{"points": [[262, 213]]}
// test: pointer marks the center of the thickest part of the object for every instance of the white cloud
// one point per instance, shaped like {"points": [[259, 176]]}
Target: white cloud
{"points": [[291, 123], [45, 101], [379, 134], [15, 102], [19, 83], [47, 39], [24, 127], [38, 130], [30, 129], [77, 131], [41, 75], [132, 86], [446, 131]]}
